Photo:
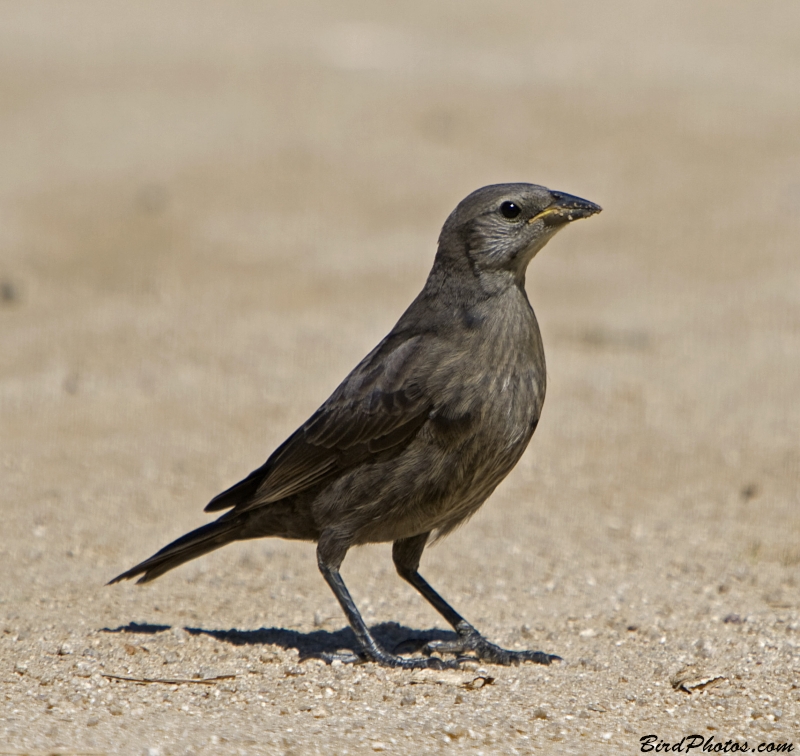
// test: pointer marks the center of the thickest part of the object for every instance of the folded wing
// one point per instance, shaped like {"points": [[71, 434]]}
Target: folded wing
{"points": [[375, 412]]}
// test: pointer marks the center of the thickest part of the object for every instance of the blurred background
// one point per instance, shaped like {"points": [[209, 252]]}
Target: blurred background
{"points": [[210, 211]]}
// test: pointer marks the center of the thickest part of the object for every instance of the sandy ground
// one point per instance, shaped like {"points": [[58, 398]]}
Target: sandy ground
{"points": [[210, 211]]}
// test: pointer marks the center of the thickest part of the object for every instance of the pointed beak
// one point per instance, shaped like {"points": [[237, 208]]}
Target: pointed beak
{"points": [[565, 209]]}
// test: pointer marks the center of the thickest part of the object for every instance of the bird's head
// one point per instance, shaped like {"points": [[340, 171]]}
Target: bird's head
{"points": [[501, 227]]}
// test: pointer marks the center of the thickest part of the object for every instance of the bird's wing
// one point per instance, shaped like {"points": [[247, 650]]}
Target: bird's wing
{"points": [[379, 407]]}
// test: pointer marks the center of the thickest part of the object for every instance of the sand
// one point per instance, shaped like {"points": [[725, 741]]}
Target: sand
{"points": [[210, 211]]}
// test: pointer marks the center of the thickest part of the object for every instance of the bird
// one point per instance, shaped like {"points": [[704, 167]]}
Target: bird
{"points": [[415, 439]]}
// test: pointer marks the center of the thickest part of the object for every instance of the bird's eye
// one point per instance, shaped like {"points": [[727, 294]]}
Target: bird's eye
{"points": [[510, 210]]}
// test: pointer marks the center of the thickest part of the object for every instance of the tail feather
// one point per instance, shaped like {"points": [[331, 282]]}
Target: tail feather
{"points": [[241, 491], [198, 542]]}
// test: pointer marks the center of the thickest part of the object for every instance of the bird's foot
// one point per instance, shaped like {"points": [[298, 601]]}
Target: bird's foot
{"points": [[472, 645], [390, 660]]}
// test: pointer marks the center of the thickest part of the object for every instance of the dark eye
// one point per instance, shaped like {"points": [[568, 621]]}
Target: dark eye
{"points": [[510, 210]]}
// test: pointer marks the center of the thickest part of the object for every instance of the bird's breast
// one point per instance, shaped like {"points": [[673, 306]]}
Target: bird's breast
{"points": [[496, 389]]}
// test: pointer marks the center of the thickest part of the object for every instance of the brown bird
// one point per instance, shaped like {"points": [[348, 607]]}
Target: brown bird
{"points": [[420, 433]]}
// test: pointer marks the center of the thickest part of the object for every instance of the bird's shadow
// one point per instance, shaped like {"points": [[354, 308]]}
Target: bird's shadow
{"points": [[318, 644]]}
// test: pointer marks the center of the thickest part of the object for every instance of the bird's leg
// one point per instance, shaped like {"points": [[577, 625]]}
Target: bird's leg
{"points": [[406, 554], [330, 555]]}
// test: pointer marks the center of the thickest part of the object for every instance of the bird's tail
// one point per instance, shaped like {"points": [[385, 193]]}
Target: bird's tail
{"points": [[192, 545]]}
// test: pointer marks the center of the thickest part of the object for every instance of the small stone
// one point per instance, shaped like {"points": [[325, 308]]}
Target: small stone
{"points": [[92, 722], [409, 699], [455, 731], [8, 292], [540, 714], [749, 491]]}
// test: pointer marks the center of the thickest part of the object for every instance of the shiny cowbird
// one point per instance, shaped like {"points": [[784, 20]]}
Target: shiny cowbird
{"points": [[420, 433]]}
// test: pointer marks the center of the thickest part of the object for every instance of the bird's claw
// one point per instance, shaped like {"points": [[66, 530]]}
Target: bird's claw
{"points": [[472, 645]]}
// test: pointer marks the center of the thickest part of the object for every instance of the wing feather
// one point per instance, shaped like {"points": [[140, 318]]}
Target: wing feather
{"points": [[380, 406]]}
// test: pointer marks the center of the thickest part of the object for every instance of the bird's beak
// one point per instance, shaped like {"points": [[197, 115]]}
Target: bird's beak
{"points": [[565, 209]]}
